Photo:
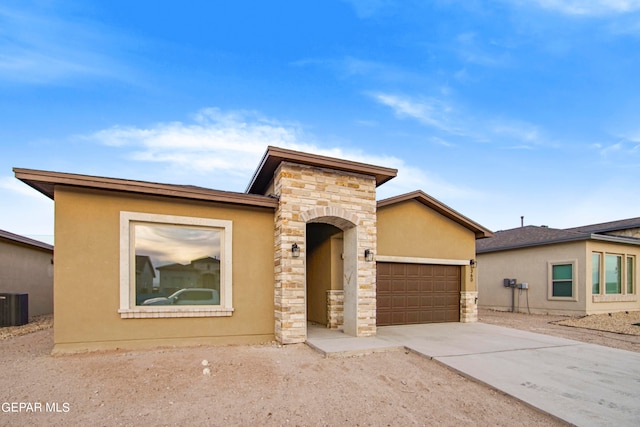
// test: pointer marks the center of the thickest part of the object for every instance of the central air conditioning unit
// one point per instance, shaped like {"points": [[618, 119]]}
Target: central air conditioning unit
{"points": [[14, 309]]}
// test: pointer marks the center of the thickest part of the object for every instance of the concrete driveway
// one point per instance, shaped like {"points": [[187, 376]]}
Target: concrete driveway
{"points": [[583, 384]]}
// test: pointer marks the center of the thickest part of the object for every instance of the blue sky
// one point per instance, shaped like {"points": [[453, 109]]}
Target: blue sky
{"points": [[497, 108]]}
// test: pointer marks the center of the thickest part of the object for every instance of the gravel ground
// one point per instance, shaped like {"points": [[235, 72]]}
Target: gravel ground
{"points": [[265, 384]]}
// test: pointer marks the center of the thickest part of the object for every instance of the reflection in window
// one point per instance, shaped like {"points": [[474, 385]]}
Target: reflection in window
{"points": [[595, 274], [170, 258], [562, 280], [613, 274], [630, 274]]}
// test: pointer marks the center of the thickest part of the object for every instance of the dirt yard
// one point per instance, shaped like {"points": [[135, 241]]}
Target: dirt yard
{"points": [[255, 385]]}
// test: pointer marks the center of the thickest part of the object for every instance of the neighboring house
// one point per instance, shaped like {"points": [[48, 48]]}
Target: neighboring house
{"points": [[200, 273], [26, 266], [145, 274], [576, 271], [306, 242]]}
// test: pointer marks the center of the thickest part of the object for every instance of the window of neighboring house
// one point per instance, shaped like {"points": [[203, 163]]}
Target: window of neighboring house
{"points": [[595, 273], [561, 283], [613, 274], [163, 250], [630, 274]]}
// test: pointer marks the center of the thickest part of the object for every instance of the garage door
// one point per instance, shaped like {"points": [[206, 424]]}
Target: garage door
{"points": [[417, 293]]}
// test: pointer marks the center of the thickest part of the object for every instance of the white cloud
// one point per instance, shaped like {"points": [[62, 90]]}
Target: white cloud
{"points": [[12, 184], [429, 111], [587, 7], [222, 149], [454, 121]]}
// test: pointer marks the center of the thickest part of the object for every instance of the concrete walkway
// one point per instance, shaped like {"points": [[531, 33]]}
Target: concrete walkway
{"points": [[583, 384]]}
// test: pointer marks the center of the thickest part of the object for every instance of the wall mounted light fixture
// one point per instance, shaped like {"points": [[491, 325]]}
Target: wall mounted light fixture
{"points": [[368, 255], [295, 250]]}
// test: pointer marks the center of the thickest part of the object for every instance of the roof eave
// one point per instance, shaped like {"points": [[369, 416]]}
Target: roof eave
{"points": [[275, 155], [585, 237], [45, 182]]}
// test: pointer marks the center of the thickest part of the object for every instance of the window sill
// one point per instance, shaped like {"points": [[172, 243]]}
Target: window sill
{"points": [[171, 312], [615, 298]]}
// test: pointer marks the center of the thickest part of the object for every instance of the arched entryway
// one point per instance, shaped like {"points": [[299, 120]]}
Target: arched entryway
{"points": [[331, 269], [325, 275]]}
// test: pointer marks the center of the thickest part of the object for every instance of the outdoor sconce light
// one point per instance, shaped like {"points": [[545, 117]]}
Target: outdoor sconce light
{"points": [[295, 250], [473, 263], [368, 255]]}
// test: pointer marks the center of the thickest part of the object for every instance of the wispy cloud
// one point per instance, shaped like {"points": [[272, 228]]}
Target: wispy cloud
{"points": [[429, 111], [584, 7], [39, 47], [15, 186], [225, 147], [454, 121]]}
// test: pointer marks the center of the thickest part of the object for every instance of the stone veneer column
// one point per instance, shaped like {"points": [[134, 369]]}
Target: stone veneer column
{"points": [[468, 307], [469, 295], [335, 309], [346, 200]]}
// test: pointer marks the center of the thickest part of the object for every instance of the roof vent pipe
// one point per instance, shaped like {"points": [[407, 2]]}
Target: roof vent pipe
{"points": [[522, 221]]}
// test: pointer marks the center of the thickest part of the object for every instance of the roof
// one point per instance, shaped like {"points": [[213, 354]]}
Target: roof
{"points": [[422, 197], [274, 156], [15, 238], [604, 227], [46, 181], [531, 235]]}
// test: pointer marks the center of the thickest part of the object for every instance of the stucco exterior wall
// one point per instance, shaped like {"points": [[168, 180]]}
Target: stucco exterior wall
{"points": [[87, 275], [25, 269], [530, 265], [610, 303], [411, 229]]}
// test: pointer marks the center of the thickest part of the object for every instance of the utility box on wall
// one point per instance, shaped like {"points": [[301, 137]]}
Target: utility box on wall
{"points": [[14, 309]]}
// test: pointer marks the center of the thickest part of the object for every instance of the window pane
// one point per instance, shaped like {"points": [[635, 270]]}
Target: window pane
{"points": [[630, 264], [595, 274], [562, 289], [172, 258], [613, 278], [562, 272]]}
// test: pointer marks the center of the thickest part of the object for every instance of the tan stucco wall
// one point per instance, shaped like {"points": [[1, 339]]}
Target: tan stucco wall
{"points": [[411, 229], [25, 269], [87, 275], [631, 301], [530, 265]]}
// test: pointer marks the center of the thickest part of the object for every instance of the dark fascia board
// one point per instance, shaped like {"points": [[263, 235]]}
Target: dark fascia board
{"points": [[15, 238], [274, 156], [577, 238], [434, 204], [46, 181]]}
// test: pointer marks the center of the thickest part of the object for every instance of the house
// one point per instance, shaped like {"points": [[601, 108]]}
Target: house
{"points": [[306, 242], [26, 266], [575, 271]]}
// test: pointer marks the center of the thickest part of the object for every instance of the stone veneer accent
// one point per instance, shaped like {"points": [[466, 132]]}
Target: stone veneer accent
{"points": [[346, 200], [468, 306], [335, 309]]}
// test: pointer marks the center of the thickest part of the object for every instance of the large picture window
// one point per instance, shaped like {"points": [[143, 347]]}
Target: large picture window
{"points": [[616, 273], [174, 266]]}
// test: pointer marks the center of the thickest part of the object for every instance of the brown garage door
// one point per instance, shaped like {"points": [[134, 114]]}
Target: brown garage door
{"points": [[417, 293]]}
